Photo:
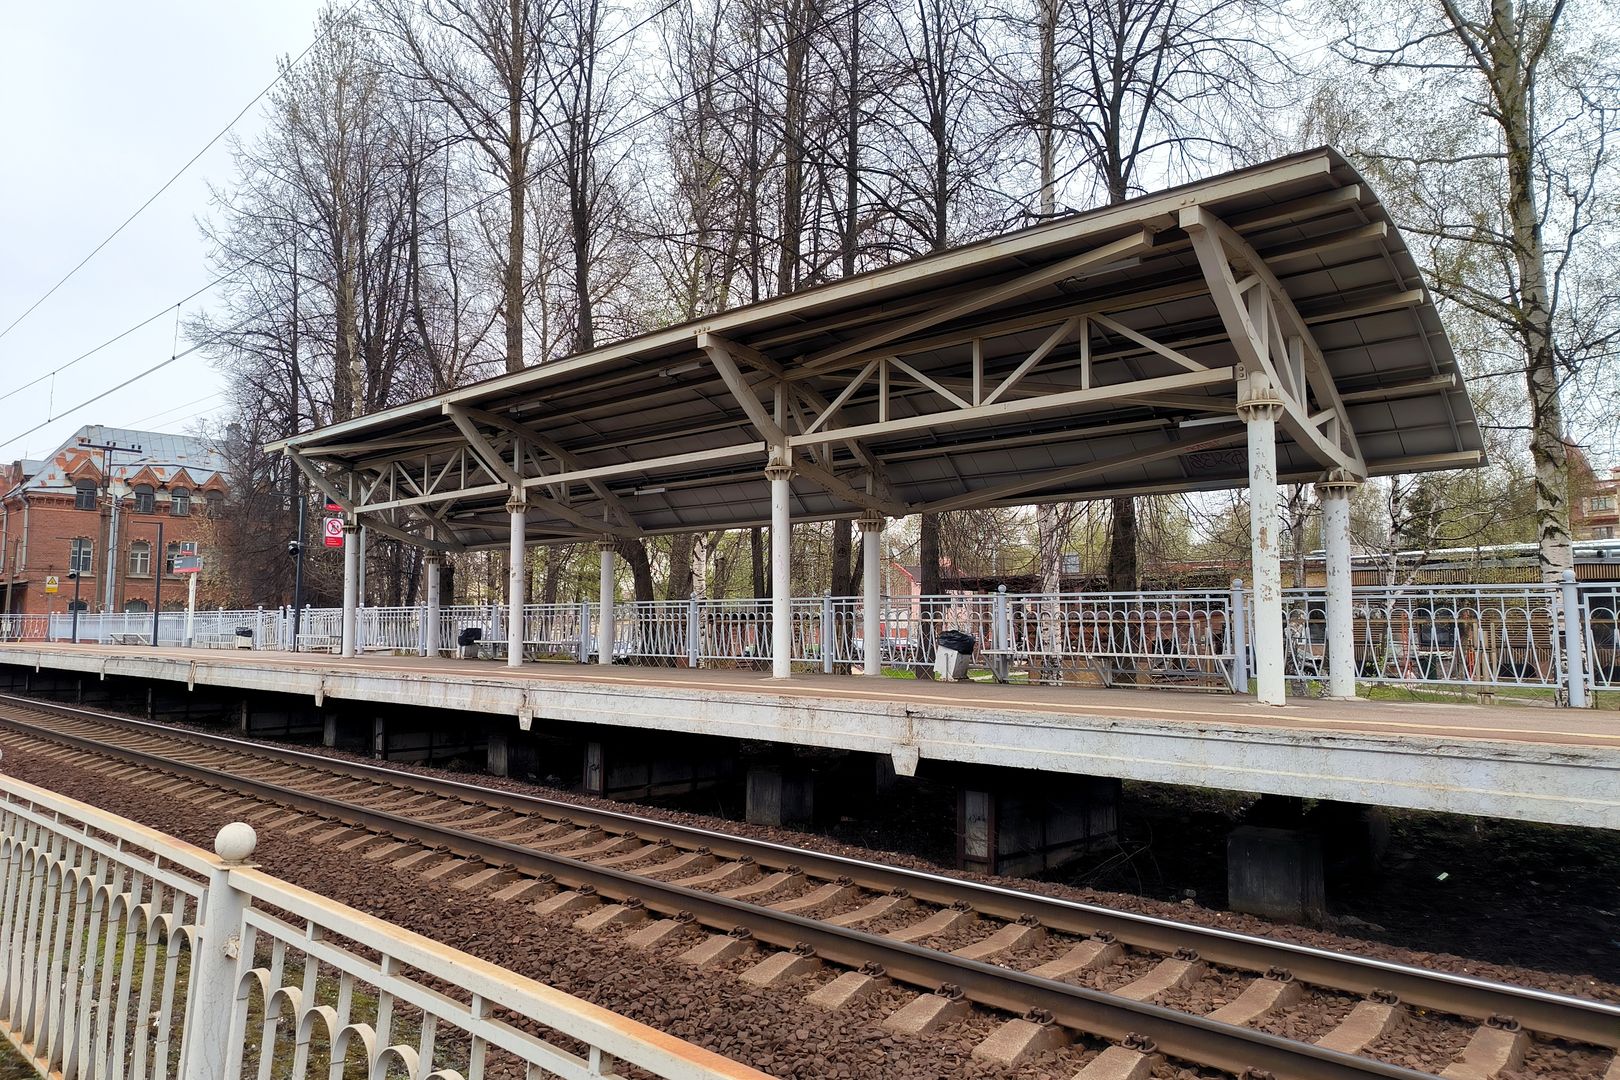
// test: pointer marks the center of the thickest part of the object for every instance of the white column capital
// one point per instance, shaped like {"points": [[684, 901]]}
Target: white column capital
{"points": [[517, 504], [871, 521], [1336, 483], [777, 469], [433, 556], [607, 545], [1258, 399]]}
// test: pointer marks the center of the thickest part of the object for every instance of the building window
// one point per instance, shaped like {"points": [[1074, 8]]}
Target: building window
{"points": [[1603, 532], [216, 504], [1599, 503], [140, 559], [143, 499], [169, 556], [84, 495], [81, 556], [137, 607], [180, 502]]}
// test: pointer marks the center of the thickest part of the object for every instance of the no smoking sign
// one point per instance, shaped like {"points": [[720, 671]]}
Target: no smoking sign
{"points": [[334, 532]]}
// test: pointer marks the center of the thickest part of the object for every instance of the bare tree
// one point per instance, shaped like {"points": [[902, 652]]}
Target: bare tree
{"points": [[1533, 127]]}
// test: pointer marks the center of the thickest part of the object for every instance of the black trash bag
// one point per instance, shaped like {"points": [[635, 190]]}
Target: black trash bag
{"points": [[957, 641]]}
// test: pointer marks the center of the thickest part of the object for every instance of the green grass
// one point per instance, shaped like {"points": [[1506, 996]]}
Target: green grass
{"points": [[13, 1066]]}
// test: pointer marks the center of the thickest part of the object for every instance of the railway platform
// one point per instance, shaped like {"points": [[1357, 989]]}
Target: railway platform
{"points": [[1555, 766]]}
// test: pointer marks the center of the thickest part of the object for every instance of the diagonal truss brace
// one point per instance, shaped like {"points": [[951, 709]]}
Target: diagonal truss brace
{"points": [[1270, 336], [347, 501], [466, 421]]}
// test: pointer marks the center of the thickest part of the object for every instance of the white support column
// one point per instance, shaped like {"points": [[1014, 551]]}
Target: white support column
{"points": [[351, 583], [779, 472], [871, 594], [1259, 405], [609, 590], [1333, 492], [517, 580], [432, 572]]}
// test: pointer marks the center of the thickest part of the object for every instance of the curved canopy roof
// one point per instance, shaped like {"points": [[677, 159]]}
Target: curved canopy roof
{"points": [[1095, 355]]}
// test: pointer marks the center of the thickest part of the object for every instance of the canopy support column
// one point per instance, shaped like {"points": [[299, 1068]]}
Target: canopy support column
{"points": [[432, 572], [351, 582], [1333, 492], [780, 473], [517, 579], [871, 593], [1259, 406], [604, 631]]}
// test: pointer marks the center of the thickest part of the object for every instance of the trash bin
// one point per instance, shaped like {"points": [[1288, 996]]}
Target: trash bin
{"points": [[467, 642], [244, 637], [952, 654]]}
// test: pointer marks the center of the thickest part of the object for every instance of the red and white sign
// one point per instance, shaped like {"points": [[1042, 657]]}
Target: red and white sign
{"points": [[334, 532]]}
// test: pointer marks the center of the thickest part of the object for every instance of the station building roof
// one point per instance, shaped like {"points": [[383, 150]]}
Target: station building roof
{"points": [[1095, 355]]}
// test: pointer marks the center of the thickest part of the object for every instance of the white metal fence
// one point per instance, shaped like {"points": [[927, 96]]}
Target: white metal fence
{"points": [[1475, 638], [126, 953]]}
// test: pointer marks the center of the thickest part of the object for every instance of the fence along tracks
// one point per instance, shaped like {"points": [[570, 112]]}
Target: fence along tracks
{"points": [[621, 867]]}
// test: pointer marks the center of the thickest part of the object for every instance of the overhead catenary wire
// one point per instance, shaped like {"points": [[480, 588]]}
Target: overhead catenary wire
{"points": [[535, 173], [286, 69]]}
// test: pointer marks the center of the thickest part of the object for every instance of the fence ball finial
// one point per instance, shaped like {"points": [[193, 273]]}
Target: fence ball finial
{"points": [[235, 842]]}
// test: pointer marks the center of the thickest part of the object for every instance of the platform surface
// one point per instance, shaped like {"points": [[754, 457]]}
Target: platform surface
{"points": [[1535, 763]]}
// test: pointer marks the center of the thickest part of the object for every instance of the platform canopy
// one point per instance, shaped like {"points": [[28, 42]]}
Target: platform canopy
{"points": [[1090, 356]]}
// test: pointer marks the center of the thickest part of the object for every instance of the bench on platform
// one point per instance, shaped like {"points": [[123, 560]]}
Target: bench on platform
{"points": [[129, 639], [215, 641], [318, 643]]}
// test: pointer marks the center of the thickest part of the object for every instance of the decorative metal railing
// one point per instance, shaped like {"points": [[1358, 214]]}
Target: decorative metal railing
{"points": [[127, 953], [1473, 638]]}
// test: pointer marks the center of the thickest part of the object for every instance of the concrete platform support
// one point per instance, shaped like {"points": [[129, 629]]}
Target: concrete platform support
{"points": [[432, 572], [1276, 873], [1259, 405], [780, 474], [606, 595], [649, 766], [780, 795], [871, 593], [1333, 492], [351, 583], [1012, 821], [517, 578], [498, 755]]}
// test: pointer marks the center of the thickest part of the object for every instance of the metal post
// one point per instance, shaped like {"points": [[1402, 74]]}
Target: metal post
{"points": [[607, 589], [780, 473], [517, 580], [872, 594], [77, 581], [160, 563], [191, 608], [433, 565], [1333, 491], [364, 536], [1258, 407], [584, 631], [1574, 642], [1000, 634], [215, 959], [351, 583], [1240, 639], [298, 564], [694, 632], [827, 632]]}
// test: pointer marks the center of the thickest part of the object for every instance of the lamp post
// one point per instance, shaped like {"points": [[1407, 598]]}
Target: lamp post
{"points": [[74, 623], [158, 559]]}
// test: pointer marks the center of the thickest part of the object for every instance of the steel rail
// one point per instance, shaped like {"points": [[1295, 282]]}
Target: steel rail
{"points": [[1579, 1019], [1180, 1035]]}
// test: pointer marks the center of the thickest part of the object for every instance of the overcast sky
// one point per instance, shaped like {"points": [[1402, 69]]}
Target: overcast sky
{"points": [[100, 103]]}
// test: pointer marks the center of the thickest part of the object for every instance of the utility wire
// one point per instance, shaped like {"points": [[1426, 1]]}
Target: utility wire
{"points": [[209, 145], [534, 174]]}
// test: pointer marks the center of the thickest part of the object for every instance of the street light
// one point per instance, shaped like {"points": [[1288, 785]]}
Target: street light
{"points": [[73, 575]]}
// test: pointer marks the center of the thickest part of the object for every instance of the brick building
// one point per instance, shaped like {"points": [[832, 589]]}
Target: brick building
{"points": [[70, 510], [1596, 515]]}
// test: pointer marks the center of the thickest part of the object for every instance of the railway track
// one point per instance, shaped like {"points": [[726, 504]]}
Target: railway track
{"points": [[960, 943]]}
